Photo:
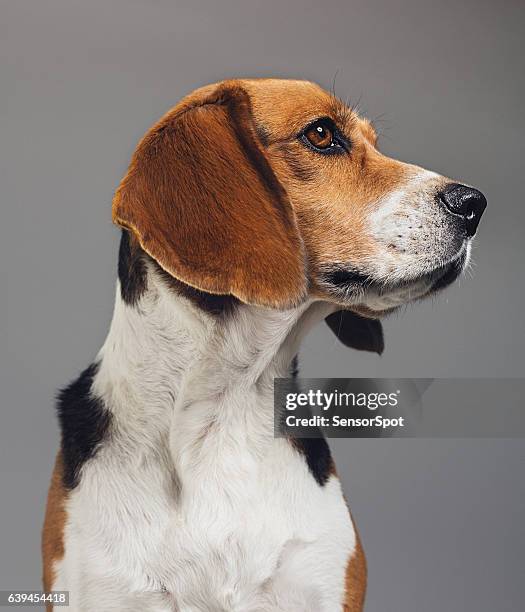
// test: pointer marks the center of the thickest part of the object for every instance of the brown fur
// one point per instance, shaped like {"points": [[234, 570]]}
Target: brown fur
{"points": [[223, 195], [226, 199], [355, 582], [332, 195], [53, 532], [203, 201]]}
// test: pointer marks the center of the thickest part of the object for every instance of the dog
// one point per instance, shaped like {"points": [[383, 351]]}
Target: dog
{"points": [[252, 211]]}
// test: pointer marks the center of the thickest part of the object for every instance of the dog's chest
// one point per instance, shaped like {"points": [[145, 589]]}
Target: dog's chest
{"points": [[240, 532]]}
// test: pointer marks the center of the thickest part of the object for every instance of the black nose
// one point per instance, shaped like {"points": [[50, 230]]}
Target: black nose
{"points": [[466, 202]]}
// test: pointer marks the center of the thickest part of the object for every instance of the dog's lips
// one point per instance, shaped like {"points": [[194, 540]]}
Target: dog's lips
{"points": [[436, 278], [448, 273], [371, 298]]}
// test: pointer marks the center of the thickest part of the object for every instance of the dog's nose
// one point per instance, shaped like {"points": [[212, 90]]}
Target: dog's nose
{"points": [[466, 202]]}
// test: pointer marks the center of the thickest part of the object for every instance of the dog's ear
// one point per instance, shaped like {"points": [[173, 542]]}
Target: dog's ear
{"points": [[203, 201], [357, 332]]}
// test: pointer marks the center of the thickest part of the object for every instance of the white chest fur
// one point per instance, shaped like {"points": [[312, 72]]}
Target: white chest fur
{"points": [[192, 504]]}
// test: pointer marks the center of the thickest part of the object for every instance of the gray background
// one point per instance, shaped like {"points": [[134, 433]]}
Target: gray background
{"points": [[441, 520]]}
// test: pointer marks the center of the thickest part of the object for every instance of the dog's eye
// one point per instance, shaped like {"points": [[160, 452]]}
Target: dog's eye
{"points": [[322, 136]]}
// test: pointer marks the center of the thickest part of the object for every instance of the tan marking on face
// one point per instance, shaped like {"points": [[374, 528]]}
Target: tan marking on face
{"points": [[333, 196], [53, 532], [368, 131], [230, 195]]}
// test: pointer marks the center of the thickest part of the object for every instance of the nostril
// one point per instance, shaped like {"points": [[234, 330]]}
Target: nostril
{"points": [[465, 202]]}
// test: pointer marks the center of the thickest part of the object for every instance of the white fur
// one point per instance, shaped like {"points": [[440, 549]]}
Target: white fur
{"points": [[191, 504], [411, 230]]}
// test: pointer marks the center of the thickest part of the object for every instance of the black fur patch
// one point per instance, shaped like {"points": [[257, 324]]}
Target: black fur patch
{"points": [[315, 450], [318, 457], [131, 269], [132, 273], [294, 367], [84, 422], [346, 278], [209, 302]]}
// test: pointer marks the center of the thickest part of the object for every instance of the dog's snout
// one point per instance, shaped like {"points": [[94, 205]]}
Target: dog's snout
{"points": [[466, 202]]}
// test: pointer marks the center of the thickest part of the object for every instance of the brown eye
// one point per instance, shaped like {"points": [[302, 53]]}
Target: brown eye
{"points": [[322, 136], [319, 135]]}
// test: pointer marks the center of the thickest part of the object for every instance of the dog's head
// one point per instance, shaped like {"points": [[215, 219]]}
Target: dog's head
{"points": [[273, 191]]}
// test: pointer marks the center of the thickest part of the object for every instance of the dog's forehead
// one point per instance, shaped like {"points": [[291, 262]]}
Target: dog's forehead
{"points": [[284, 106]]}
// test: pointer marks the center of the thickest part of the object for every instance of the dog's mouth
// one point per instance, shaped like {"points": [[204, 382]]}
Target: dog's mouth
{"points": [[447, 274], [350, 286]]}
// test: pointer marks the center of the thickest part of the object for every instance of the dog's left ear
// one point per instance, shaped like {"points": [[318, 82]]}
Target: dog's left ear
{"points": [[357, 332]]}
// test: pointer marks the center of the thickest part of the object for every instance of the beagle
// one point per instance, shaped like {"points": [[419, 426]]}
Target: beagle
{"points": [[250, 212]]}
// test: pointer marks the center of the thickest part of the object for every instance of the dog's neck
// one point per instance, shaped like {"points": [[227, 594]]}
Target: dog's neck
{"points": [[167, 366]]}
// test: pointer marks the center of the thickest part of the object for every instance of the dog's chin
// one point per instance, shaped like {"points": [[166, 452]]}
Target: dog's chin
{"points": [[448, 273], [373, 298]]}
